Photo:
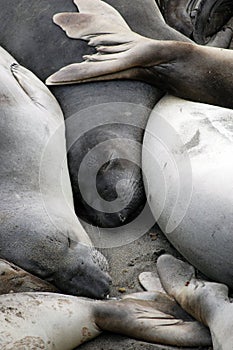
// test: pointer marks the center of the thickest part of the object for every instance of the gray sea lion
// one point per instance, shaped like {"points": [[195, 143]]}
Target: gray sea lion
{"points": [[208, 302], [48, 320], [187, 164], [39, 230], [179, 67], [118, 178], [153, 317]]}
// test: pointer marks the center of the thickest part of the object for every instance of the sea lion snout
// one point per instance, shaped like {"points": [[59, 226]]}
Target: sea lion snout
{"points": [[84, 273]]}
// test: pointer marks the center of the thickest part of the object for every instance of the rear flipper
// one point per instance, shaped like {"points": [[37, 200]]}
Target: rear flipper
{"points": [[150, 282], [155, 317], [119, 50], [208, 302]]}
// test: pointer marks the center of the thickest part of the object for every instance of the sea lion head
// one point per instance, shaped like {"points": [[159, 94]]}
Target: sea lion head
{"points": [[89, 273]]}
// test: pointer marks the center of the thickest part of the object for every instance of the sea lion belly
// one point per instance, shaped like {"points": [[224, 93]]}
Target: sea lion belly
{"points": [[187, 162]]}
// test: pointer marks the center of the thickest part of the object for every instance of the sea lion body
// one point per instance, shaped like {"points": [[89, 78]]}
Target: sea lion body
{"points": [[55, 321], [39, 230], [43, 48], [46, 321], [188, 168]]}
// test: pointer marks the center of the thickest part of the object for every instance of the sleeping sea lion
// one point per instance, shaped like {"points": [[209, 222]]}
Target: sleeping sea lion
{"points": [[43, 48], [39, 230], [187, 165], [49, 321], [193, 72]]}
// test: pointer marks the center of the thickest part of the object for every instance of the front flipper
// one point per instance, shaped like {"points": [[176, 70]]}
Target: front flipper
{"points": [[95, 18], [155, 318], [120, 52]]}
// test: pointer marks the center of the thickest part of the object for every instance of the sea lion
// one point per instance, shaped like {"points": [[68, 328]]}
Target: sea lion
{"points": [[39, 230], [43, 48], [208, 302], [179, 67], [163, 320], [51, 320], [187, 165]]}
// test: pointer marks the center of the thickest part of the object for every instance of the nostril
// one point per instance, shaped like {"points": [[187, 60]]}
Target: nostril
{"points": [[14, 65]]}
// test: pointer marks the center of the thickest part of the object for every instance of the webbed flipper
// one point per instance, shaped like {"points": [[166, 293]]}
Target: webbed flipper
{"points": [[150, 282], [104, 28], [153, 317]]}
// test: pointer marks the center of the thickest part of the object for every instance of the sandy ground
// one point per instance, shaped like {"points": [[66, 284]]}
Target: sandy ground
{"points": [[126, 263]]}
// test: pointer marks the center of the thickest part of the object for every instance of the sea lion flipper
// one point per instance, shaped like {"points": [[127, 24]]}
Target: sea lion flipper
{"points": [[150, 282], [98, 18], [14, 279], [104, 28], [111, 62], [198, 297], [83, 72], [207, 302], [106, 15], [159, 320]]}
